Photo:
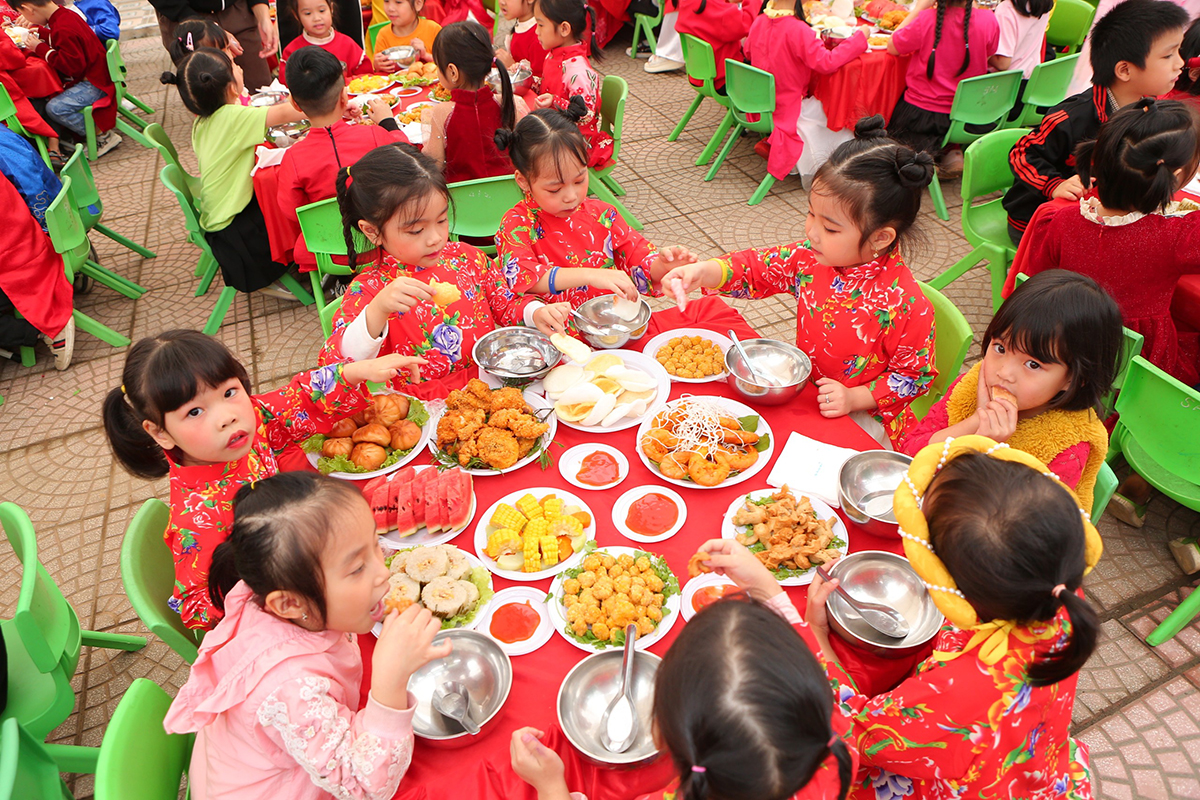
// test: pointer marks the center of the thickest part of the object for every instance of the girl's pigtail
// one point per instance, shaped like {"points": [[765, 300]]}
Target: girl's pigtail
{"points": [[508, 107], [1083, 160], [576, 109], [589, 35], [135, 449], [693, 785], [504, 138], [169, 78], [1065, 662], [937, 37], [915, 170], [845, 766], [966, 37], [703, 5], [348, 216], [222, 573]]}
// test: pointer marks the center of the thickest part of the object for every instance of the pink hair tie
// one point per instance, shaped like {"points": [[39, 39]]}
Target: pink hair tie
{"points": [[699, 769], [1058, 590], [832, 739]]}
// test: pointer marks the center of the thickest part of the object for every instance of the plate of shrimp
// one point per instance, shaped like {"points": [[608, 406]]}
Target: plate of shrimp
{"points": [[705, 442], [789, 534]]}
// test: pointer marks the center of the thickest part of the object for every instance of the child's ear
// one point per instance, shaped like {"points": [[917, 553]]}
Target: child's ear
{"points": [[1194, 73], [564, 30], [522, 181], [1124, 71], [370, 231], [418, 5], [882, 239], [288, 605], [159, 435]]}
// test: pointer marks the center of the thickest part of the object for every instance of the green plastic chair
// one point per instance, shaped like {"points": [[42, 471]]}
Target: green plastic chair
{"points": [[1047, 86], [751, 91], [477, 208], [373, 33], [701, 65], [138, 759], [119, 59], [613, 94], [981, 101], [117, 72], [644, 25], [953, 340], [9, 119], [147, 571], [70, 241], [328, 313], [162, 143], [1102, 492], [45, 634], [986, 171], [321, 224], [27, 772], [1070, 22], [88, 202]]}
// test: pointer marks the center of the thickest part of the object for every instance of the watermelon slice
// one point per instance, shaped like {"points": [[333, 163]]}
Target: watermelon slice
{"points": [[379, 508], [458, 498], [393, 493], [433, 515], [443, 484], [369, 488], [404, 474], [405, 523], [423, 479]]}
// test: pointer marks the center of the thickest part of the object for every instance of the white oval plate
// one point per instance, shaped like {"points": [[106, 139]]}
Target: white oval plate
{"points": [[520, 594], [536, 402], [569, 464], [729, 531], [482, 531], [735, 409], [559, 614], [723, 343], [634, 360], [422, 538], [696, 584], [430, 425], [621, 510], [480, 613]]}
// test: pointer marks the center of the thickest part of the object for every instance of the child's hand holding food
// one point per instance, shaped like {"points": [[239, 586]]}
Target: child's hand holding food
{"points": [[383, 369], [668, 257], [538, 765], [377, 109], [551, 319], [679, 281], [736, 562], [995, 410], [405, 645], [398, 297], [504, 57], [613, 280], [382, 63]]}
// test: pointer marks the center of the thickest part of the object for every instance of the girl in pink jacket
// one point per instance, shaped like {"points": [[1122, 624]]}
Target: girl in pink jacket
{"points": [[272, 696]]}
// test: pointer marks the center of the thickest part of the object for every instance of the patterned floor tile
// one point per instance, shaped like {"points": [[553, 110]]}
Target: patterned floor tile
{"points": [[1121, 666]]}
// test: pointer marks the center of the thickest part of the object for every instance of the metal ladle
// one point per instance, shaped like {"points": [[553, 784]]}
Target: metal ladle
{"points": [[763, 380], [455, 704], [619, 725], [887, 621]]}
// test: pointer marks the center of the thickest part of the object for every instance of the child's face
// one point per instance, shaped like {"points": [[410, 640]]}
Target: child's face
{"points": [[516, 9], [315, 17], [401, 12], [549, 34], [215, 427], [1163, 67], [834, 238], [38, 15], [1035, 383], [558, 190], [415, 234], [356, 579]]}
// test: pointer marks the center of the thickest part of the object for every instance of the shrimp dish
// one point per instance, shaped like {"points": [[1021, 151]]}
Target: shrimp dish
{"points": [[698, 440]]}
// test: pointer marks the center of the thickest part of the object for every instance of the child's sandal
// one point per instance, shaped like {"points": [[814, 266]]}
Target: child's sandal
{"points": [[1127, 511], [1187, 554]]}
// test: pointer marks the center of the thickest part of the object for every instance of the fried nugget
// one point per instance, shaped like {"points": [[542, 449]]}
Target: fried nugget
{"points": [[479, 389], [696, 564], [508, 397], [524, 446], [461, 398], [523, 426], [497, 448]]}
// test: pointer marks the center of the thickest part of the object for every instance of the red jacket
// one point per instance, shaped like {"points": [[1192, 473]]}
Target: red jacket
{"points": [[75, 52], [470, 151], [342, 47], [722, 24], [12, 60]]}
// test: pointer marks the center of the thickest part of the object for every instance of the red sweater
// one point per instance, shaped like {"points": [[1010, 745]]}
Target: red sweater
{"points": [[342, 47], [75, 52], [470, 150], [12, 60], [526, 46]]}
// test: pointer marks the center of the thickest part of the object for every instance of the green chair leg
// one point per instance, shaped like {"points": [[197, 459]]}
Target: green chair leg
{"points": [[612, 184], [762, 190], [102, 332], [319, 301], [28, 356], [295, 288], [112, 280], [1176, 621], [961, 267], [112, 641], [598, 188], [74, 758], [124, 242], [139, 103], [725, 150], [713, 143], [999, 269], [637, 34], [939, 202], [686, 118], [219, 310], [133, 118], [89, 126], [43, 148], [206, 269]]}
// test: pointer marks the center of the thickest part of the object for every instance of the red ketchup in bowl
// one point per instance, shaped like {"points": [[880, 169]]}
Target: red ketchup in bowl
{"points": [[652, 514], [514, 622], [598, 469]]}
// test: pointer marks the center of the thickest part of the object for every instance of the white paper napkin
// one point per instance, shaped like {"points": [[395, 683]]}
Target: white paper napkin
{"points": [[267, 157], [275, 86], [810, 467]]}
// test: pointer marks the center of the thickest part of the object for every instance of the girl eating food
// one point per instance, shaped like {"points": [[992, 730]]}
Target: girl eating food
{"points": [[317, 19]]}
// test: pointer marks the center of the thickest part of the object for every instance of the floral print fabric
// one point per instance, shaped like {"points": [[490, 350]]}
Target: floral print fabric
{"points": [[566, 73]]}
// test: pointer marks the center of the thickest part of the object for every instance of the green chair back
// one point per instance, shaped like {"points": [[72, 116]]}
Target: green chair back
{"points": [[614, 91], [477, 207], [1048, 85], [10, 120], [83, 188], [158, 137], [984, 100], [952, 341], [1070, 22], [27, 772], [644, 25], [373, 33], [147, 572], [701, 64], [66, 229], [138, 759], [328, 312], [751, 91], [175, 179], [117, 70], [321, 225], [986, 171], [1102, 492]]}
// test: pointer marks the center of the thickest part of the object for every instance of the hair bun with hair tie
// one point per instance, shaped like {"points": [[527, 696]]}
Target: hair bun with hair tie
{"points": [[576, 109], [872, 127], [1148, 104], [915, 171], [503, 139], [169, 78]]}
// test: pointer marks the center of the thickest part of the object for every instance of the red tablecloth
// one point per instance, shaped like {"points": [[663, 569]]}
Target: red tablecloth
{"points": [[37, 78], [870, 84], [481, 769]]}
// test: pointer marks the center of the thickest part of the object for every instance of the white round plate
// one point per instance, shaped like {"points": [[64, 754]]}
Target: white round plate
{"points": [[735, 409], [407, 91], [723, 343], [559, 614], [621, 510], [634, 360], [422, 538], [430, 425], [482, 531], [570, 462], [823, 511], [482, 611], [696, 584], [536, 402], [520, 594]]}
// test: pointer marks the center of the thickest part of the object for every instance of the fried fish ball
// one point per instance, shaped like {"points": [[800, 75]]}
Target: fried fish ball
{"points": [[580, 627], [645, 626], [603, 589], [656, 600], [592, 615], [642, 564], [587, 598], [575, 612], [615, 632], [637, 593], [654, 583], [600, 631], [638, 580], [592, 563], [587, 578], [570, 600], [607, 561], [571, 586], [616, 571], [622, 583], [625, 560], [654, 613]]}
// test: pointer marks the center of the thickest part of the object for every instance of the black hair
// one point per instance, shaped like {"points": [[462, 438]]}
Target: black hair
{"points": [[292, 9], [741, 697], [545, 136], [161, 374], [15, 5], [1138, 151], [1062, 317], [384, 181], [1187, 51], [579, 16], [1009, 535], [203, 77], [279, 530], [1127, 32], [879, 180], [468, 46], [1035, 9], [195, 33], [315, 79], [937, 34]]}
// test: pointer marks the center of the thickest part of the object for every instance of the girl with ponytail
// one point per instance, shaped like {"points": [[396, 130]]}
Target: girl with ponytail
{"points": [[863, 320], [948, 44], [1003, 547]]}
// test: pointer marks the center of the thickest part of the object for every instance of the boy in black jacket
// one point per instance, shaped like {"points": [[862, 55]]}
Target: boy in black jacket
{"points": [[1135, 54]]}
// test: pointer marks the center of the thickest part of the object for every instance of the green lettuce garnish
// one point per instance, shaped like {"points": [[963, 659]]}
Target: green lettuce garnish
{"points": [[417, 414]]}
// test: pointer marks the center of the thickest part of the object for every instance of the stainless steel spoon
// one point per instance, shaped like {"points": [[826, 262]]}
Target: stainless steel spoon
{"points": [[598, 328], [455, 704], [763, 380], [887, 621], [619, 725]]}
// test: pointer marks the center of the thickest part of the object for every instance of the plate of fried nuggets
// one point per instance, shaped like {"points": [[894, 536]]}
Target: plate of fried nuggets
{"points": [[490, 431], [789, 534]]}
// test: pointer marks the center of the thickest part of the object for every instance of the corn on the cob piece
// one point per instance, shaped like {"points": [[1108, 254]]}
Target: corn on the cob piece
{"points": [[503, 540], [529, 506], [506, 516], [566, 526], [536, 528], [552, 508], [533, 558], [549, 550]]}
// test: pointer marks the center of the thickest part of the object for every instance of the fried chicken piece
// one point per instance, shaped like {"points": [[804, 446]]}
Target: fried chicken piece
{"points": [[498, 448], [696, 564], [525, 445], [460, 398], [479, 389], [467, 450], [470, 421], [750, 514], [447, 428], [508, 397], [523, 426]]}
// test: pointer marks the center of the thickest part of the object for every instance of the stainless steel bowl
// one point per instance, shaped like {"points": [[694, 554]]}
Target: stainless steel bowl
{"points": [[520, 76], [599, 313], [288, 134], [866, 485], [270, 98], [785, 362], [881, 577], [484, 670], [516, 353], [586, 692], [402, 54]]}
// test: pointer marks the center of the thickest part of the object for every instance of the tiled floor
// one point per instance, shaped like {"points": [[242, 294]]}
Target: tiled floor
{"points": [[1138, 708]]}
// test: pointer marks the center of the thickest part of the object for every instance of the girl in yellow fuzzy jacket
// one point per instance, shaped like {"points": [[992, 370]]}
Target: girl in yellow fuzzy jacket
{"points": [[1049, 356]]}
